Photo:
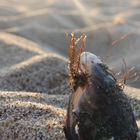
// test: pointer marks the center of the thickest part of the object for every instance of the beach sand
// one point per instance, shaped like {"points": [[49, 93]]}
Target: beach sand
{"points": [[34, 89]]}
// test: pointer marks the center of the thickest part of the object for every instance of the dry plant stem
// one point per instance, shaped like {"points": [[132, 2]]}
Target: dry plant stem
{"points": [[127, 74], [114, 43], [74, 55]]}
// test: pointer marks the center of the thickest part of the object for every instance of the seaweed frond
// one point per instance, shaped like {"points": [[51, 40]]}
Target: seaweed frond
{"points": [[77, 46]]}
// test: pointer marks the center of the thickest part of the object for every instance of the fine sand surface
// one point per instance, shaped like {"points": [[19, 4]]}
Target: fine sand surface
{"points": [[34, 87]]}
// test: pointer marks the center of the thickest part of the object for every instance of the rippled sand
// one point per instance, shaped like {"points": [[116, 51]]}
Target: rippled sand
{"points": [[33, 65]]}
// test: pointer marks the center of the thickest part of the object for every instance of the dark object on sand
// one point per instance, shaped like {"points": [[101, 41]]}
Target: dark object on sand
{"points": [[98, 109]]}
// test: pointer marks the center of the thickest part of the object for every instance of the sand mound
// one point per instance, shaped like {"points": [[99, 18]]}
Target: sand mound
{"points": [[14, 50], [20, 42], [28, 116], [44, 73], [11, 54]]}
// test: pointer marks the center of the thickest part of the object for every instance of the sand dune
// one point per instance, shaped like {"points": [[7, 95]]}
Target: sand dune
{"points": [[27, 116], [37, 75]]}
